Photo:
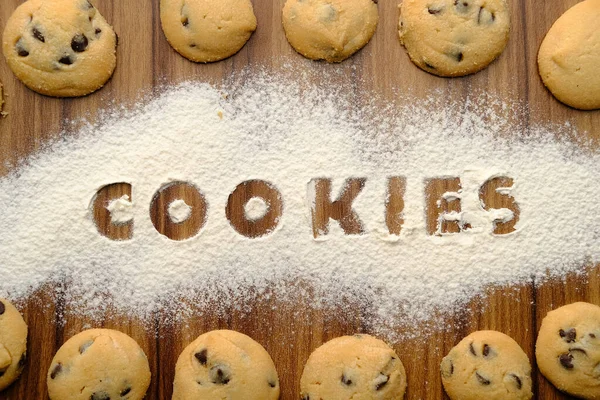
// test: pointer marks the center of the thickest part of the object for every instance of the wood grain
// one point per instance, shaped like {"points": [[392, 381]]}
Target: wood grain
{"points": [[290, 332]]}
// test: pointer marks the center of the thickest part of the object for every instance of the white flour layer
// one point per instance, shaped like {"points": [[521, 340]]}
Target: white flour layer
{"points": [[274, 131], [120, 210], [179, 211]]}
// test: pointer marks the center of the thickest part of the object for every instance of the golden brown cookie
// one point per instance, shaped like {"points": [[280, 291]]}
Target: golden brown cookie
{"points": [[487, 365], [330, 30], [454, 37], [61, 48], [568, 349], [225, 365], [99, 364], [207, 30], [353, 367], [569, 57], [13, 343]]}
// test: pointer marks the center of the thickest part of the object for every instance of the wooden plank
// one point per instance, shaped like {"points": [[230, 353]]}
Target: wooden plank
{"points": [[291, 332]]}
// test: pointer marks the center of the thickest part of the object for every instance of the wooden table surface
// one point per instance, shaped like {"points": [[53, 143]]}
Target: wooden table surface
{"points": [[145, 60]]}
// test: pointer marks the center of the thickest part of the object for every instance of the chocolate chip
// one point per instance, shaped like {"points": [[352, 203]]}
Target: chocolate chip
{"points": [[219, 376], [85, 346], [486, 350], [577, 349], [185, 21], [374, 1], [485, 16], [592, 336], [2, 308], [38, 35], [482, 380], [447, 368], [21, 51], [125, 391], [192, 45], [306, 397], [517, 381], [98, 31], [382, 381], [568, 336], [272, 384], [346, 381], [100, 396], [566, 360], [2, 372], [79, 43], [429, 66], [462, 6], [459, 56], [202, 356], [56, 371], [434, 11], [22, 360], [66, 60], [472, 349]]}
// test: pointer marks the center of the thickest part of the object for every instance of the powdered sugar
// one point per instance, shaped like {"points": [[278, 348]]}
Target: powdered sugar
{"points": [[288, 134]]}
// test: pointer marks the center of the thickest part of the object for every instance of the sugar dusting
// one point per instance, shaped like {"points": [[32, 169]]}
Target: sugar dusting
{"points": [[287, 134]]}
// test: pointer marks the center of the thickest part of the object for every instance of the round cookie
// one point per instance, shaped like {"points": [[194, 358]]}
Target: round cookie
{"points": [[570, 54], [353, 367], [330, 30], [61, 48], [487, 365], [225, 365], [568, 349], [454, 37], [13, 343], [207, 30], [99, 364]]}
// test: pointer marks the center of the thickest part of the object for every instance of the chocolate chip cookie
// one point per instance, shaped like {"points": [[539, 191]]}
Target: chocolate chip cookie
{"points": [[330, 30], [99, 364], [487, 365], [207, 30], [13, 343], [353, 367], [570, 54], [225, 365], [454, 37], [61, 48], [568, 349]]}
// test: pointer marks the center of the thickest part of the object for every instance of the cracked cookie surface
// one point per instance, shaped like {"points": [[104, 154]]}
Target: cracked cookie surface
{"points": [[487, 365], [454, 37], [225, 364], [570, 54], [353, 367], [568, 349], [99, 364], [207, 30], [61, 48], [13, 343], [330, 30]]}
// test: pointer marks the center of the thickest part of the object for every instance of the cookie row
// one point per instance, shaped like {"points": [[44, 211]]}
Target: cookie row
{"points": [[103, 364], [66, 48], [491, 365]]}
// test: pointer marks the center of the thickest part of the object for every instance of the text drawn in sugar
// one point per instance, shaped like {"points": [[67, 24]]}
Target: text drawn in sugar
{"points": [[255, 208]]}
